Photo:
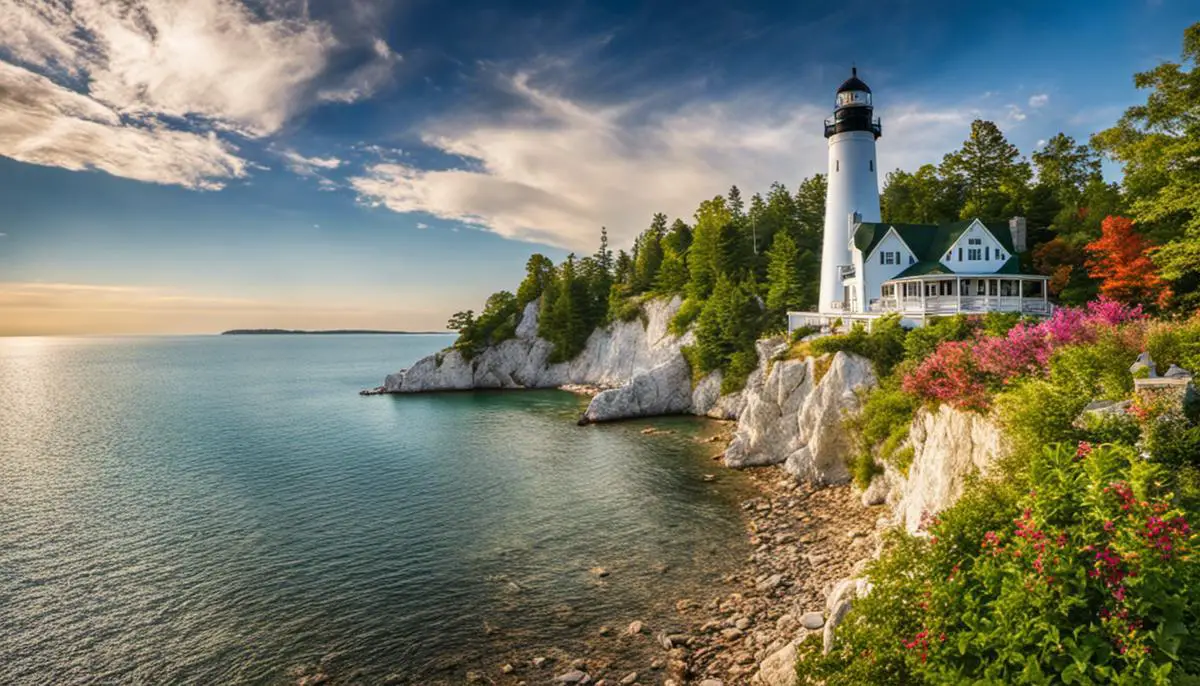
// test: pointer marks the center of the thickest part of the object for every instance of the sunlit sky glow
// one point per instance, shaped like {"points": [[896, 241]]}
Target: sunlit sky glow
{"points": [[171, 166]]}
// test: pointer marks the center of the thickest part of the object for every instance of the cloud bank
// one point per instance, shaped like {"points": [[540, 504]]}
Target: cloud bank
{"points": [[558, 169], [150, 89]]}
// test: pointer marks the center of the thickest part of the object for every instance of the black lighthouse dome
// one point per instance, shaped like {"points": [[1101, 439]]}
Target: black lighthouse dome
{"points": [[853, 83], [853, 111]]}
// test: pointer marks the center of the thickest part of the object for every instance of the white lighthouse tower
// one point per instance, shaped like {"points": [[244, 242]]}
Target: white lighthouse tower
{"points": [[853, 186]]}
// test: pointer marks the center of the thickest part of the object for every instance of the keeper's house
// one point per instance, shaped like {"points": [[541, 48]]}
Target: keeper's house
{"points": [[922, 271]]}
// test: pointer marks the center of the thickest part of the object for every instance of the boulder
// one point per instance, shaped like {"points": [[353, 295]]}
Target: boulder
{"points": [[778, 668], [666, 389]]}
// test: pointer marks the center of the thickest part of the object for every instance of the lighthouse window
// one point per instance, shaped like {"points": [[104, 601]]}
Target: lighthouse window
{"points": [[837, 165], [871, 164]]}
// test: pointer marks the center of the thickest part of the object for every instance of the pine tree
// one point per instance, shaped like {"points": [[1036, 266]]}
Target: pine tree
{"points": [[539, 270], [991, 169], [649, 254], [711, 217], [785, 288]]}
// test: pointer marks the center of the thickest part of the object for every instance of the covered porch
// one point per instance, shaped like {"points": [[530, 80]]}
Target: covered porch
{"points": [[948, 294]]}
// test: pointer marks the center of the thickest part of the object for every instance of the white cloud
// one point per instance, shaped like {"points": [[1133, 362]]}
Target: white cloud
{"points": [[561, 169], [1041, 143], [44, 123], [308, 166], [1039, 100], [157, 77], [420, 225], [1015, 113]]}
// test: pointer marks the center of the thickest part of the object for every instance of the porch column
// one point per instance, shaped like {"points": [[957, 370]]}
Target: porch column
{"points": [[1020, 296], [922, 283], [957, 295]]}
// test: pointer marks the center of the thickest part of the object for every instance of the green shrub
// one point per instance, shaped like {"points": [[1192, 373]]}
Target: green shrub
{"points": [[884, 345], [741, 364], [1037, 412], [880, 428], [627, 310], [1110, 428], [998, 323], [1175, 343], [1098, 370], [687, 313], [1084, 578], [803, 332], [921, 342]]}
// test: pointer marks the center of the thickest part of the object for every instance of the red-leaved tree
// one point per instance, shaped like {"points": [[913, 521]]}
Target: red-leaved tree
{"points": [[1120, 260]]}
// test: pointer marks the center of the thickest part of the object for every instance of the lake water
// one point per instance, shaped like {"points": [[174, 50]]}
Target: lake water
{"points": [[228, 510]]}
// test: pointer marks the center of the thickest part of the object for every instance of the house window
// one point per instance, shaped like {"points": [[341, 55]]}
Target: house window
{"points": [[974, 253], [889, 258], [974, 241], [960, 254], [987, 253], [949, 255], [912, 260], [981, 288]]}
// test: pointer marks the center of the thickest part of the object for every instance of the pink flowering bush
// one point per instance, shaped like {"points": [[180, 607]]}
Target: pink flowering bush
{"points": [[1086, 575], [965, 373]]}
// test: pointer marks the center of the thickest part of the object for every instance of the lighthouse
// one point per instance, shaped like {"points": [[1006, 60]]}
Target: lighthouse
{"points": [[853, 190]]}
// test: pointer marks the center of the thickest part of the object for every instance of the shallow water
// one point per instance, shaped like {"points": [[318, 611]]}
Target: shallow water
{"points": [[229, 510]]}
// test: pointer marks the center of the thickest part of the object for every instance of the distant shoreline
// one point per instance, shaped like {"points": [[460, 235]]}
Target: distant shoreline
{"points": [[331, 332]]}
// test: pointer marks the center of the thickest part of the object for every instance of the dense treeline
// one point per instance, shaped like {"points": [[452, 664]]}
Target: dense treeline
{"points": [[740, 266], [1066, 200]]}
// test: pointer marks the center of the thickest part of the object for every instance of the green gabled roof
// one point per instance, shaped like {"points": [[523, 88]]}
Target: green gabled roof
{"points": [[923, 268], [928, 241], [1012, 266]]}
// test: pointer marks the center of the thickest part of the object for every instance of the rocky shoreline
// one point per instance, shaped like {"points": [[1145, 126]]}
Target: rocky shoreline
{"points": [[805, 539]]}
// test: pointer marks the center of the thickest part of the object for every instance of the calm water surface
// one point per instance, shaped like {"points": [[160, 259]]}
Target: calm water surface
{"points": [[228, 510]]}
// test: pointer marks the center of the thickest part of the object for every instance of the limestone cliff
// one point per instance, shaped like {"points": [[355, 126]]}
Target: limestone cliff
{"points": [[639, 362], [949, 447], [793, 413]]}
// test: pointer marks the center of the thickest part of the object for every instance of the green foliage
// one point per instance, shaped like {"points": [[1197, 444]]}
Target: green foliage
{"points": [[1096, 371], [1157, 144], [998, 323], [539, 271], [881, 426], [884, 345], [726, 327], [1084, 577], [688, 311], [1039, 412], [921, 342], [741, 364], [1175, 343], [649, 255], [991, 170], [497, 323], [784, 288]]}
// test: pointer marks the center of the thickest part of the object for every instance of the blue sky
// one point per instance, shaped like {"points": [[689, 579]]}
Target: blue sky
{"points": [[192, 166]]}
